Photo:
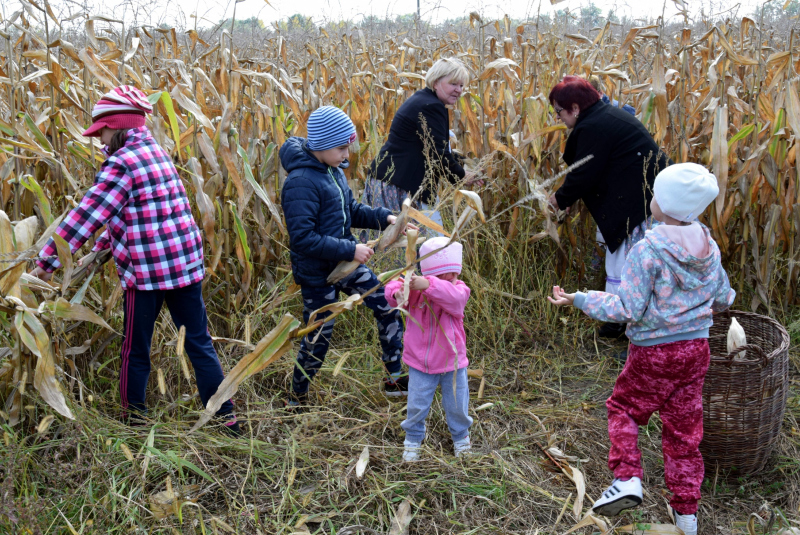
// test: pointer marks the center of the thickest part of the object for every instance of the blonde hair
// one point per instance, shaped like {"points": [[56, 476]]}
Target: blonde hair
{"points": [[451, 68]]}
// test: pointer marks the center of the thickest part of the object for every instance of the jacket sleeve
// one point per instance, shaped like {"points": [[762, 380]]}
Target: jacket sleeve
{"points": [[363, 216], [452, 297], [103, 242], [725, 294], [390, 289], [103, 201], [301, 206], [437, 129], [582, 180], [637, 285]]}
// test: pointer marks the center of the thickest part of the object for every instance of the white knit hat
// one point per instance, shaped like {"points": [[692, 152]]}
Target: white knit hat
{"points": [[684, 190], [448, 260]]}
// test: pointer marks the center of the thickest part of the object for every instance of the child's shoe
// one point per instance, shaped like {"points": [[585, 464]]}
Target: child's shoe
{"points": [[411, 451], [230, 426], [619, 496], [296, 402], [462, 447], [395, 387], [688, 523]]}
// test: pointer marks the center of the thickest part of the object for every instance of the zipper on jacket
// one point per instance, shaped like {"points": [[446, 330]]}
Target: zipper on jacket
{"points": [[341, 196], [430, 337]]}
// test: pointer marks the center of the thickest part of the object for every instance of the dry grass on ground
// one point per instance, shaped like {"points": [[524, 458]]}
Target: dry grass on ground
{"points": [[546, 376]]}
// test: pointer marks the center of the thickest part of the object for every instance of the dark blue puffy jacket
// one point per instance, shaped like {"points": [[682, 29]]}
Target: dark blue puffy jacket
{"points": [[319, 209]]}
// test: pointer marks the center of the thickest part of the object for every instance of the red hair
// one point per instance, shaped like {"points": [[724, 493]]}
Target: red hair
{"points": [[574, 90]]}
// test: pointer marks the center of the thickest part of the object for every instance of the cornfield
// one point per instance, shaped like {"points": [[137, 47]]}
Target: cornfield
{"points": [[724, 94]]}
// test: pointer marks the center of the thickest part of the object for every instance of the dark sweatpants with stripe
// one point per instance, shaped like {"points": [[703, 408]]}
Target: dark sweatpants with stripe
{"points": [[187, 308]]}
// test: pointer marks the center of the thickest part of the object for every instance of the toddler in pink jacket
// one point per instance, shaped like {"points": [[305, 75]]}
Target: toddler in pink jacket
{"points": [[434, 346]]}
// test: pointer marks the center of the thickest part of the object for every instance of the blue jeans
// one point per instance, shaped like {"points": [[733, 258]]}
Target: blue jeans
{"points": [[314, 345], [421, 388], [187, 308]]}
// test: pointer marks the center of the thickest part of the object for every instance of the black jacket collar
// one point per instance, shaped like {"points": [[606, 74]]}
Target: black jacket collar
{"points": [[590, 110]]}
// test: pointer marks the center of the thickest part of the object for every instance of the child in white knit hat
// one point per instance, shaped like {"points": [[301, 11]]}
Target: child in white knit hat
{"points": [[672, 282], [434, 345]]}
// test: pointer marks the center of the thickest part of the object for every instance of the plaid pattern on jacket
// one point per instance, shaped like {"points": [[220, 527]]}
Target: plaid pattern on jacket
{"points": [[138, 195]]}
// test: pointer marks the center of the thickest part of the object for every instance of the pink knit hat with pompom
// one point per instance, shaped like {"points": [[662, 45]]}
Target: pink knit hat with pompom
{"points": [[122, 108]]}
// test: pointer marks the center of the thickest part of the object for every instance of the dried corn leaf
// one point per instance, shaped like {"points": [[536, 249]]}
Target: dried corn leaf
{"points": [[278, 340], [580, 485], [34, 336], [421, 218], [719, 154], [401, 519], [642, 528], [363, 461], [63, 309]]}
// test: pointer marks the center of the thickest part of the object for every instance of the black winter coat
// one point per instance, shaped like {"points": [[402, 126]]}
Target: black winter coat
{"points": [[401, 161], [614, 184], [319, 209]]}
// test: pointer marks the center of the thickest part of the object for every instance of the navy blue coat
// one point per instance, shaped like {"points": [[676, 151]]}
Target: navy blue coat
{"points": [[319, 209]]}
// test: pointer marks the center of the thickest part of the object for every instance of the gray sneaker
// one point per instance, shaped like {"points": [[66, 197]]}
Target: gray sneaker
{"points": [[462, 447], [688, 523], [411, 451]]}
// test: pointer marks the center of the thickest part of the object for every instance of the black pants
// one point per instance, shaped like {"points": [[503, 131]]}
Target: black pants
{"points": [[187, 309]]}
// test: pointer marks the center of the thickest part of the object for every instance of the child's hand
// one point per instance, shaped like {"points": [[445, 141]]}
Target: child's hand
{"points": [[41, 274], [363, 253], [398, 296], [560, 297], [419, 283]]}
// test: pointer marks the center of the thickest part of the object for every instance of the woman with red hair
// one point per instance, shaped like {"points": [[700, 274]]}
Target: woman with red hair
{"points": [[616, 184]]}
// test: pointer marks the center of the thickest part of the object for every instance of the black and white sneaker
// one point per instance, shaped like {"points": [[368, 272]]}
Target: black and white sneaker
{"points": [[395, 388], [619, 496]]}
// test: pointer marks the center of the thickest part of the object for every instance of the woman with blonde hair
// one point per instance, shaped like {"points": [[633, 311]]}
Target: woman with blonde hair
{"points": [[403, 163]]}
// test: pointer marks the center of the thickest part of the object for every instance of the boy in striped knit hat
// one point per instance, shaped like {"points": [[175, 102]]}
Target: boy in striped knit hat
{"points": [[139, 198], [320, 209]]}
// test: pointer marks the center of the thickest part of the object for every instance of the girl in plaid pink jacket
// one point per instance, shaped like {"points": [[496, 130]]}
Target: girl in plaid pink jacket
{"points": [[155, 242]]}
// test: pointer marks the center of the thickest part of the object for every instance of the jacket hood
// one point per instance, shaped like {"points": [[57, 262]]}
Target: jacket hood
{"points": [[294, 154], [690, 271]]}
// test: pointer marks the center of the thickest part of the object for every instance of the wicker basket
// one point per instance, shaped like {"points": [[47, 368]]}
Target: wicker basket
{"points": [[744, 397]]}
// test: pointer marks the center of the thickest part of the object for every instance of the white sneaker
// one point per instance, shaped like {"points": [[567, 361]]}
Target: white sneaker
{"points": [[619, 496], [411, 451], [462, 446], [688, 523]]}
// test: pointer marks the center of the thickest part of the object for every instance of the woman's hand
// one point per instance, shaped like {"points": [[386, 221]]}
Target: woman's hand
{"points": [[419, 283], [362, 254], [472, 179], [393, 218], [560, 297], [40, 273], [554, 205]]}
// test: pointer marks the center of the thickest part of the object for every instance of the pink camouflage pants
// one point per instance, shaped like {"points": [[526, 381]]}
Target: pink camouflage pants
{"points": [[667, 378]]}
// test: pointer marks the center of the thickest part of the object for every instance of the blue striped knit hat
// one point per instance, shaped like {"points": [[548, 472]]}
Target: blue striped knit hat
{"points": [[329, 127]]}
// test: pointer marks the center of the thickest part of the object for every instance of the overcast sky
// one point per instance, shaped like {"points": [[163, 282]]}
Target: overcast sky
{"points": [[321, 11]]}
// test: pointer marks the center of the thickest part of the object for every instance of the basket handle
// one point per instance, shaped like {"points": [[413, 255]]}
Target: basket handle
{"points": [[748, 347]]}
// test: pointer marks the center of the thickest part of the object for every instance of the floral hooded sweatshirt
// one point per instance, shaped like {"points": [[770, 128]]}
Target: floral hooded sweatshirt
{"points": [[434, 341], [672, 283]]}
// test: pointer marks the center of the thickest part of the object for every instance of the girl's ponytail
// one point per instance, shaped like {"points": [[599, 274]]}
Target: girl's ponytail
{"points": [[117, 141]]}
